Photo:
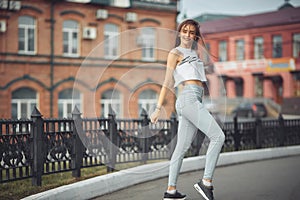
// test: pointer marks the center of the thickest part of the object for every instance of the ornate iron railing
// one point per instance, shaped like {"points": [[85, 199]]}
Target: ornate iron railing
{"points": [[36, 147]]}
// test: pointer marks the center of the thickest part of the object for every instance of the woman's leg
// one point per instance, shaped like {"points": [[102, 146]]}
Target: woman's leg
{"points": [[185, 135], [204, 121]]}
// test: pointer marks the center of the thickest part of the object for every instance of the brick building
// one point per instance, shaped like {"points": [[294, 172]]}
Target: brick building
{"points": [[258, 55], [94, 53]]}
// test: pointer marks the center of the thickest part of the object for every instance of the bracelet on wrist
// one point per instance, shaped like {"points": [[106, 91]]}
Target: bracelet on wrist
{"points": [[158, 107]]}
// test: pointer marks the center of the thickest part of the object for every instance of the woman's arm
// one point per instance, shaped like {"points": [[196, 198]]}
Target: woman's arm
{"points": [[172, 61]]}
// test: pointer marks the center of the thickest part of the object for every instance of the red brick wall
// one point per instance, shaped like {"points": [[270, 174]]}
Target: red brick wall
{"points": [[34, 71], [285, 30]]}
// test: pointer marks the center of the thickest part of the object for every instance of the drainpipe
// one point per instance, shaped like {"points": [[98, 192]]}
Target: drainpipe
{"points": [[52, 21]]}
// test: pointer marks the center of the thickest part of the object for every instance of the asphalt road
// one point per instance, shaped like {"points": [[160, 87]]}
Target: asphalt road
{"points": [[276, 179]]}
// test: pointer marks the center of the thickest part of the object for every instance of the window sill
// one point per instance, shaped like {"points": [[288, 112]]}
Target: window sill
{"points": [[71, 55], [26, 53]]}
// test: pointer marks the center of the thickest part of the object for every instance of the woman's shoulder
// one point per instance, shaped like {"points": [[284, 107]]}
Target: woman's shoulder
{"points": [[175, 52]]}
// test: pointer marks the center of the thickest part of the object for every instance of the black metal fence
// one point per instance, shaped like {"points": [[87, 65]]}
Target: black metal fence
{"points": [[36, 147]]}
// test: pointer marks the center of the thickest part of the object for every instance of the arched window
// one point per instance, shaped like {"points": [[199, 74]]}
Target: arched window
{"points": [[70, 38], [147, 100], [22, 103], [67, 99], [148, 43], [111, 41], [113, 98], [26, 33]]}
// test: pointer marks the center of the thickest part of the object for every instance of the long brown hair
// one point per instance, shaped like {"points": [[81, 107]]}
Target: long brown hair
{"points": [[198, 33], [205, 54]]}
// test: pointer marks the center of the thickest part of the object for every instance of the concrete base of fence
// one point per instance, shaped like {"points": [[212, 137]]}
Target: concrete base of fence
{"points": [[105, 184]]}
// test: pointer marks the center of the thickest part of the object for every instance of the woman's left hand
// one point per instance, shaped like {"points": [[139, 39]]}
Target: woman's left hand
{"points": [[154, 116]]}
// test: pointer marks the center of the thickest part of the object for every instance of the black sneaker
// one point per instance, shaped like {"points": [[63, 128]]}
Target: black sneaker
{"points": [[177, 196], [205, 191]]}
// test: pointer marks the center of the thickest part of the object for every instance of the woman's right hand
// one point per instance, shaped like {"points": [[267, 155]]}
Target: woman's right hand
{"points": [[154, 116]]}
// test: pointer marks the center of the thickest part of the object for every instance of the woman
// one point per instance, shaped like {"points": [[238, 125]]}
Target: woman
{"points": [[185, 68]]}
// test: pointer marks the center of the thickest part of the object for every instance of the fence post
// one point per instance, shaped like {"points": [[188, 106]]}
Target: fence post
{"points": [[258, 132], [37, 154], [112, 128], [236, 134], [281, 130], [145, 135], [174, 128], [77, 154]]}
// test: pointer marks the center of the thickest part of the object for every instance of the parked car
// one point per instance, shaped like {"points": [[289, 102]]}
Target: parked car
{"points": [[250, 110]]}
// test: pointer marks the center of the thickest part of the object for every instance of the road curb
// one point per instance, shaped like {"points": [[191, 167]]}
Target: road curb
{"points": [[108, 183]]}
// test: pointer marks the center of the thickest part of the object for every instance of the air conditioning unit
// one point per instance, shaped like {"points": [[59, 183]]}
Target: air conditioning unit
{"points": [[131, 17], [89, 33], [101, 14], [2, 26]]}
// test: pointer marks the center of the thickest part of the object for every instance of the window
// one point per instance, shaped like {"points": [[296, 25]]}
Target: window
{"points": [[296, 45], [148, 43], [158, 1], [111, 41], [297, 88], [70, 38], [67, 99], [240, 46], [258, 47], [258, 86], [239, 86], [22, 103], [113, 98], [26, 35], [277, 46], [147, 100], [222, 51]]}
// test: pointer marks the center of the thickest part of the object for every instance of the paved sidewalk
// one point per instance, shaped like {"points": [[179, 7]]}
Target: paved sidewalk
{"points": [[276, 179]]}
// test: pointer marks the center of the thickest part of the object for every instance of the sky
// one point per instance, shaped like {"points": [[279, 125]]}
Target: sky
{"points": [[193, 8]]}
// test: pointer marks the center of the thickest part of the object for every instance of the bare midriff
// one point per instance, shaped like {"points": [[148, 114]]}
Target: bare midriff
{"points": [[193, 82]]}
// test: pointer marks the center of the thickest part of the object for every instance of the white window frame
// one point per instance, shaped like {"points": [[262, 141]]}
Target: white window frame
{"points": [[258, 47], [70, 42], [146, 102], [277, 40], [116, 104], [223, 50], [26, 28], [148, 44], [27, 103], [296, 45], [111, 41], [240, 49], [69, 102]]}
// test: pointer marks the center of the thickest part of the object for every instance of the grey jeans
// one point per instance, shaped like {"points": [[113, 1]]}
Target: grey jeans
{"points": [[192, 115]]}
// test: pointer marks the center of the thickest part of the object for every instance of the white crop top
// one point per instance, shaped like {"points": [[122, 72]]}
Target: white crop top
{"points": [[190, 67]]}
